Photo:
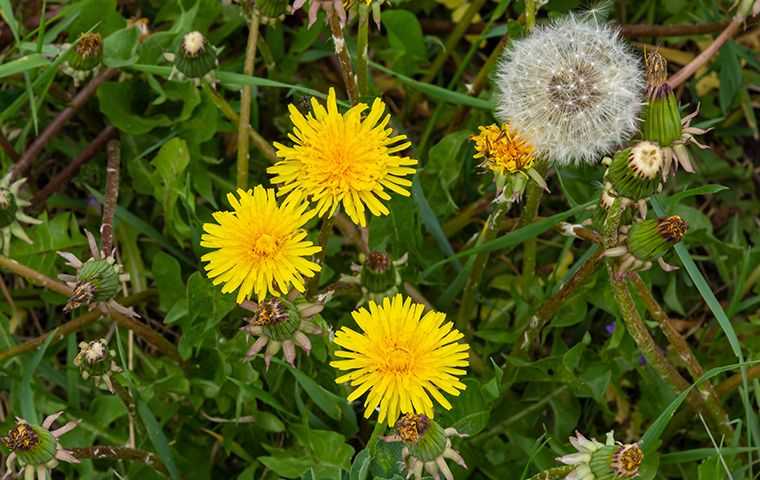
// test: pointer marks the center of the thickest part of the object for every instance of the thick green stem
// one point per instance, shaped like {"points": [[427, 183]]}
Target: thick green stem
{"points": [[530, 14], [362, 47], [324, 236], [245, 105]]}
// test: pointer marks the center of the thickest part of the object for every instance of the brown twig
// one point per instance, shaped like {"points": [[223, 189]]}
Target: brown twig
{"points": [[120, 453], [25, 162], [645, 30], [71, 326], [733, 382], [142, 330], [8, 148], [73, 167], [112, 195], [245, 104], [344, 59]]}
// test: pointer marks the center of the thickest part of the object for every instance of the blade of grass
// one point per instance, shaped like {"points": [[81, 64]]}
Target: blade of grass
{"points": [[27, 396], [157, 438], [431, 221], [23, 64]]}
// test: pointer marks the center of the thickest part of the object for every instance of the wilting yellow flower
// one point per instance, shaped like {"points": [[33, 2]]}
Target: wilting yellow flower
{"points": [[401, 358], [502, 149], [260, 246], [343, 159]]}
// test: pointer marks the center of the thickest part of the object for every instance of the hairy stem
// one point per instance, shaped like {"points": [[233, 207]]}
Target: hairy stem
{"points": [[362, 47], [120, 453], [71, 326], [245, 105], [344, 58], [324, 236], [679, 344], [73, 167], [530, 14], [25, 162], [112, 195]]}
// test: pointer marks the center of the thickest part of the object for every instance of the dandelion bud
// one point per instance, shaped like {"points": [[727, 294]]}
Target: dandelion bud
{"points": [[662, 117], [426, 446], [651, 239], [88, 52], [281, 324], [96, 361], [635, 172], [271, 11], [378, 274], [195, 56], [97, 281], [603, 461], [36, 448]]}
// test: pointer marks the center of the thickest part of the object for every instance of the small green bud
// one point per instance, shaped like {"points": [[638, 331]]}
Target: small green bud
{"points": [[279, 319], [651, 239], [8, 207], [378, 274], [195, 56], [424, 437], [271, 11], [662, 117], [97, 281], [88, 52], [635, 172]]}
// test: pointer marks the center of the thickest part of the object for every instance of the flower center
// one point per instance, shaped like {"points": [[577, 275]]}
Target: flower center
{"points": [[574, 89], [378, 262], [21, 437], [672, 228], [398, 360], [270, 312], [627, 461], [411, 427], [646, 159], [265, 245], [503, 149], [193, 43]]}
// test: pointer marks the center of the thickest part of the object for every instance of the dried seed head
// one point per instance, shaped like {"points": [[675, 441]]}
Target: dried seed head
{"points": [[21, 437], [193, 44], [378, 262], [270, 312], [672, 228], [627, 459], [646, 160], [573, 90], [411, 427], [656, 73]]}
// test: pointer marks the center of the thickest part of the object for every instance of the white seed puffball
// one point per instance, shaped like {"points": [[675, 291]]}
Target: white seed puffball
{"points": [[573, 89], [193, 43]]}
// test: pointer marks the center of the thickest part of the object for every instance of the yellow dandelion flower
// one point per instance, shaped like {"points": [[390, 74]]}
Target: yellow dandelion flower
{"points": [[401, 358], [503, 150], [260, 246], [343, 159]]}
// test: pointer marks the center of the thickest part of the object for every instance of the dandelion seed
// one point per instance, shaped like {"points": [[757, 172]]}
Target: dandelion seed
{"points": [[582, 99]]}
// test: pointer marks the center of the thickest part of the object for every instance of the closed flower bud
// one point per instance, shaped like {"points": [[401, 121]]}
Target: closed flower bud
{"points": [[651, 239], [378, 273], [195, 56], [271, 11], [97, 281], [662, 117], [635, 173], [88, 52], [96, 361]]}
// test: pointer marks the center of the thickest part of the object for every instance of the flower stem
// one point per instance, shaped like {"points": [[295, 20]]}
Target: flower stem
{"points": [[467, 306], [324, 236], [551, 306], [530, 14], [120, 453], [362, 57], [141, 329], [112, 195], [260, 142], [553, 473], [679, 344], [71, 326], [344, 59], [530, 210], [245, 105]]}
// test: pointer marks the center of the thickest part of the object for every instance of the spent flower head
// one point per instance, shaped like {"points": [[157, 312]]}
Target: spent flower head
{"points": [[343, 159], [260, 247], [12, 214], [401, 358], [35, 448], [595, 460], [572, 88]]}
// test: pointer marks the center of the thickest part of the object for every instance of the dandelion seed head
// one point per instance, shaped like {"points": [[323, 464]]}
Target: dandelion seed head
{"points": [[573, 89]]}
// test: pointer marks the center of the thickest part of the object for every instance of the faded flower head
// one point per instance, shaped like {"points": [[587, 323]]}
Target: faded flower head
{"points": [[401, 358], [427, 446], [88, 52], [260, 247], [97, 280], [573, 89], [347, 160], [35, 448], [96, 361], [282, 324], [12, 213], [594, 460]]}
